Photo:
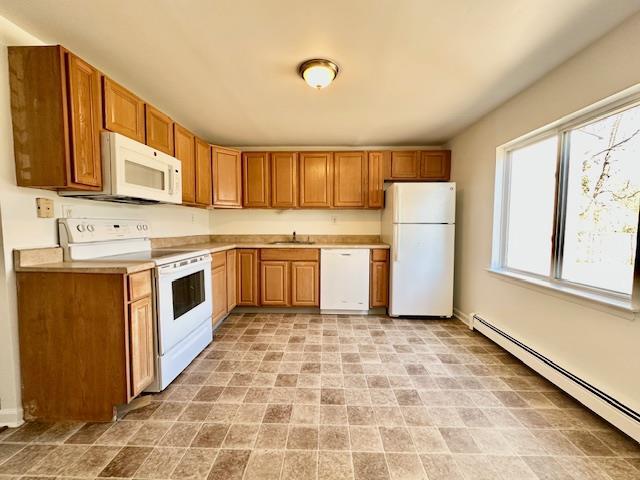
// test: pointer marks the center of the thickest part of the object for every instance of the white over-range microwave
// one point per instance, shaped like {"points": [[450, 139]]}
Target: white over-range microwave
{"points": [[135, 173]]}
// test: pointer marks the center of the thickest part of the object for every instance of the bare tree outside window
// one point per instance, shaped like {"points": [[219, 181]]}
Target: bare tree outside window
{"points": [[603, 197]]}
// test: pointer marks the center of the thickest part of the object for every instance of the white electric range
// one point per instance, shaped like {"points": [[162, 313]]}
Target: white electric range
{"points": [[182, 286]]}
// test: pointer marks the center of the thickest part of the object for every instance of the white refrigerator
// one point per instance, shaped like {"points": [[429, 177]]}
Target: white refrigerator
{"points": [[419, 223]]}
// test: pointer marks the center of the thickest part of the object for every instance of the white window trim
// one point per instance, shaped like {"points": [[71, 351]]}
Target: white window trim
{"points": [[615, 302]]}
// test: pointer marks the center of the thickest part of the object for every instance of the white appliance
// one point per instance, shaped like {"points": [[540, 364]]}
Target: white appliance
{"points": [[344, 280], [182, 286], [419, 223], [135, 173]]}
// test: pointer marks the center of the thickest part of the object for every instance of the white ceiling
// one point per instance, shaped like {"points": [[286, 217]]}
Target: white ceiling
{"points": [[413, 72]]}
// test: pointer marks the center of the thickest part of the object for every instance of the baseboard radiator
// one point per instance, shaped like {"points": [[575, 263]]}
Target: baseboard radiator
{"points": [[603, 404]]}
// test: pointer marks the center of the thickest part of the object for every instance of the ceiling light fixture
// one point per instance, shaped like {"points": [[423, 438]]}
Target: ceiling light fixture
{"points": [[318, 72]]}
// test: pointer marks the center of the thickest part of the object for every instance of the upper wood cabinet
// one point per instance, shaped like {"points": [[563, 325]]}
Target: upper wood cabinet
{"points": [[349, 179], [203, 173], [316, 179], [284, 179], [247, 293], [56, 119], [185, 151], [435, 164], [159, 128], [255, 179], [227, 178], [375, 176], [404, 165], [123, 112]]}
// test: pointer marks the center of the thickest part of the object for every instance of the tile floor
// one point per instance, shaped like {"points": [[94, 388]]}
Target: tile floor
{"points": [[338, 397]]}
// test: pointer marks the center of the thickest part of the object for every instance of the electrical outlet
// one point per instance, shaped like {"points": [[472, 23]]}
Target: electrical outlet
{"points": [[44, 207]]}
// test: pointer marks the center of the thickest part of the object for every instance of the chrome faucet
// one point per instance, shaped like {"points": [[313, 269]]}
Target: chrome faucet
{"points": [[294, 237]]}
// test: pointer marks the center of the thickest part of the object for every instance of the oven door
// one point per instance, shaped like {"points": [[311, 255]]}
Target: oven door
{"points": [[183, 299]]}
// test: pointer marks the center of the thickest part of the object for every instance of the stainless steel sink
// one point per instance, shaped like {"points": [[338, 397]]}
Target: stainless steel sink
{"points": [[297, 242]]}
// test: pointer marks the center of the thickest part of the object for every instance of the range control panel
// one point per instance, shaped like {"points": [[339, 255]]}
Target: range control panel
{"points": [[88, 230]]}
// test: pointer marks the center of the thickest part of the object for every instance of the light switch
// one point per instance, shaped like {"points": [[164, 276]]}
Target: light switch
{"points": [[45, 207]]}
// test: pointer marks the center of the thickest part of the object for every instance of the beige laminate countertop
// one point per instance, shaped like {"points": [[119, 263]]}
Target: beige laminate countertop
{"points": [[214, 247], [51, 259]]}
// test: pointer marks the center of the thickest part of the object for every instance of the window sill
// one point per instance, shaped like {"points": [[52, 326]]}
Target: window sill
{"points": [[616, 306]]}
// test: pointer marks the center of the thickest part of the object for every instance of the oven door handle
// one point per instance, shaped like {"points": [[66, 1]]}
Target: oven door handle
{"points": [[166, 270]]}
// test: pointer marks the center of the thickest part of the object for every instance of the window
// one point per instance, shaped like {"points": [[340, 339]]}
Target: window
{"points": [[567, 202]]}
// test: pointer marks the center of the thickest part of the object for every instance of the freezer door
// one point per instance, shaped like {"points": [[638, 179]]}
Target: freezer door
{"points": [[424, 202], [422, 270]]}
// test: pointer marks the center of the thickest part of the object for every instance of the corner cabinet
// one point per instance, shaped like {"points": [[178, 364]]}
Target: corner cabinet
{"points": [[255, 180], [227, 178], [56, 110], [86, 345]]}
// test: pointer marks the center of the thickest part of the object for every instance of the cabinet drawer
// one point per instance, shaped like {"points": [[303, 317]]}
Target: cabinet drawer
{"points": [[218, 259], [139, 285], [379, 255], [309, 254]]}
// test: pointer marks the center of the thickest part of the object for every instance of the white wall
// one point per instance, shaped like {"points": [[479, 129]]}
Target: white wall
{"points": [[21, 228], [600, 347], [304, 222]]}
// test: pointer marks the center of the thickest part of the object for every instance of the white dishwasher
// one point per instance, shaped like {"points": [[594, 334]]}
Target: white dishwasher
{"points": [[344, 280]]}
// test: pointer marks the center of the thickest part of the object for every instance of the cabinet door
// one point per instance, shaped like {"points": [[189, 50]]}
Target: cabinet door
{"points": [[247, 292], [284, 179], [375, 184], [227, 178], [203, 173], [185, 151], [349, 181], [255, 179], [316, 179], [84, 111], [304, 284], [219, 292], [379, 281], [232, 280], [274, 283], [435, 164], [404, 165], [159, 130], [123, 111], [141, 353]]}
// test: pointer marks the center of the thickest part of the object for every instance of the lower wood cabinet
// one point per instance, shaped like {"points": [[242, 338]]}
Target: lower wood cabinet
{"points": [[305, 284], [247, 293], [379, 278], [232, 279], [224, 282], [141, 344], [86, 344], [219, 286], [274, 283], [289, 277]]}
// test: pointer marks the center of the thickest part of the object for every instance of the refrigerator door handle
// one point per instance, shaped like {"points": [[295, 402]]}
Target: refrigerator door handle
{"points": [[396, 207], [396, 238]]}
